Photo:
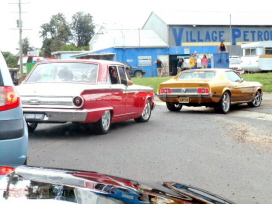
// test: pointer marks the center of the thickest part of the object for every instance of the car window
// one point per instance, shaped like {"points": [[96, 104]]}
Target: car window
{"points": [[117, 74], [59, 72], [197, 75], [232, 76], [122, 73]]}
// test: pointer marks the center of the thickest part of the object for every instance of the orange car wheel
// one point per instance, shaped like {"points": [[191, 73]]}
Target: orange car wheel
{"points": [[224, 105], [256, 102]]}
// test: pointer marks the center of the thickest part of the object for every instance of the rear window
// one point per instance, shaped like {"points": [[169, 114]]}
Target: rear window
{"points": [[197, 75], [64, 72]]}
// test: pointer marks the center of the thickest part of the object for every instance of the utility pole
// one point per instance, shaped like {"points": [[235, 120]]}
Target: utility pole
{"points": [[20, 41], [230, 36]]}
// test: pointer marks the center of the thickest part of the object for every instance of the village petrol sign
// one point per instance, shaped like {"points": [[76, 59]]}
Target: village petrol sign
{"points": [[217, 34]]}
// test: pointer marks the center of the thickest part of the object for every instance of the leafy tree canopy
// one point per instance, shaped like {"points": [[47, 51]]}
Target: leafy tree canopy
{"points": [[11, 59], [59, 35], [82, 28]]}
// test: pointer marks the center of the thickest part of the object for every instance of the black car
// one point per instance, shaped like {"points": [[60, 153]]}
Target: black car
{"points": [[134, 71]]}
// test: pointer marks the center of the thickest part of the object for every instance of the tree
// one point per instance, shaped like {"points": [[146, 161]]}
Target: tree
{"points": [[46, 47], [58, 31], [82, 28], [11, 60], [72, 47], [26, 46], [58, 35]]}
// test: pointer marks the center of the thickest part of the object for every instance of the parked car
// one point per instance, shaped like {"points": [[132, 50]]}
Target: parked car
{"points": [[81, 91], [235, 64], [134, 71], [30, 184], [13, 129], [218, 88]]}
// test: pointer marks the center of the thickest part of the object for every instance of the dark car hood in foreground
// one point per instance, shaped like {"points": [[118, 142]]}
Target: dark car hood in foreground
{"points": [[49, 185]]}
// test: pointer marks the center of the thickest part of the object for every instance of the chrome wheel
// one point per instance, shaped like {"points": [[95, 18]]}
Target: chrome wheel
{"points": [[146, 113], [106, 119], [224, 105], [138, 74], [103, 125], [257, 100]]}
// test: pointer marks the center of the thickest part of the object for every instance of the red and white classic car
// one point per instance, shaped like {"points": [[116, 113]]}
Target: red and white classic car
{"points": [[83, 91]]}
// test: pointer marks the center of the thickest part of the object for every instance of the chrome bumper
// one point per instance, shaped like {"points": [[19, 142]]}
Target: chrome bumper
{"points": [[199, 96], [57, 115]]}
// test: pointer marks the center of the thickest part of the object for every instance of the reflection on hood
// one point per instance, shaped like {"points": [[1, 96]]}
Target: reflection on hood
{"points": [[49, 185]]}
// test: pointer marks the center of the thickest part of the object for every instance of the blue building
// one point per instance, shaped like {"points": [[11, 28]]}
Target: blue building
{"points": [[171, 35], [139, 48]]}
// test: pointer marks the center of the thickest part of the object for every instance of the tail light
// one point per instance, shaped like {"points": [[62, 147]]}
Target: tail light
{"points": [[5, 170], [165, 91], [78, 101], [203, 90], [9, 98]]}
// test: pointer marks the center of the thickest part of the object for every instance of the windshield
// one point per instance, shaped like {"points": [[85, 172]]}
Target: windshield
{"points": [[60, 72]]}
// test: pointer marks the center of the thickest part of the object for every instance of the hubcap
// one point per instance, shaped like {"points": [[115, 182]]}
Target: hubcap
{"points": [[257, 99], [146, 111], [226, 102], [106, 117]]}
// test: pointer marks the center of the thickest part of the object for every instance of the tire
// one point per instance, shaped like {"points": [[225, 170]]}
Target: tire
{"points": [[102, 126], [256, 102], [224, 105], [31, 126], [138, 74], [173, 106], [146, 114]]}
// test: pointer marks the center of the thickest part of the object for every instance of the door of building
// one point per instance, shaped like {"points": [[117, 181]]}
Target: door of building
{"points": [[165, 61]]}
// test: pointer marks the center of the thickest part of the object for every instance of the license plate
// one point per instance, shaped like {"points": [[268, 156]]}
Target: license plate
{"points": [[36, 116], [184, 99]]}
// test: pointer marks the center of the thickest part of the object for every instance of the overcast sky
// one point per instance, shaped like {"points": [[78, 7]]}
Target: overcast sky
{"points": [[128, 13]]}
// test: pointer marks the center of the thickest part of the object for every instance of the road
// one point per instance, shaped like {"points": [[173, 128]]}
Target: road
{"points": [[229, 155]]}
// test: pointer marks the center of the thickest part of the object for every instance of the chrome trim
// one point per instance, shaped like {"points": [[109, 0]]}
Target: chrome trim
{"points": [[185, 95], [59, 115]]}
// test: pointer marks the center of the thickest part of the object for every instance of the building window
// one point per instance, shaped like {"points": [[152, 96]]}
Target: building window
{"points": [[268, 50], [250, 51]]}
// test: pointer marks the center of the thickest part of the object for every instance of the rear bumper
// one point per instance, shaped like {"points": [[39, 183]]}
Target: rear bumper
{"points": [[14, 150], [193, 98], [57, 115], [11, 129]]}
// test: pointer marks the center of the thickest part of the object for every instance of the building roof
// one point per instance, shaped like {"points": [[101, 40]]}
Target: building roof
{"points": [[65, 52], [214, 18], [257, 44], [126, 38]]}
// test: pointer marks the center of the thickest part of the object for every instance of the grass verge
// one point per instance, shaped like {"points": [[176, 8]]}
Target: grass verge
{"points": [[263, 78]]}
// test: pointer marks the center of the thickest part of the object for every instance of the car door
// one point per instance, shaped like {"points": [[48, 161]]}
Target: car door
{"points": [[241, 90], [130, 93], [118, 94]]}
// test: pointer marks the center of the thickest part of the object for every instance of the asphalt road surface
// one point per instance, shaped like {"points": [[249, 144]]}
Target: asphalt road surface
{"points": [[229, 155]]}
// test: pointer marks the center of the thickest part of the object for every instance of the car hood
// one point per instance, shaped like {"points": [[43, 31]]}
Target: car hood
{"points": [[28, 184], [63, 89]]}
